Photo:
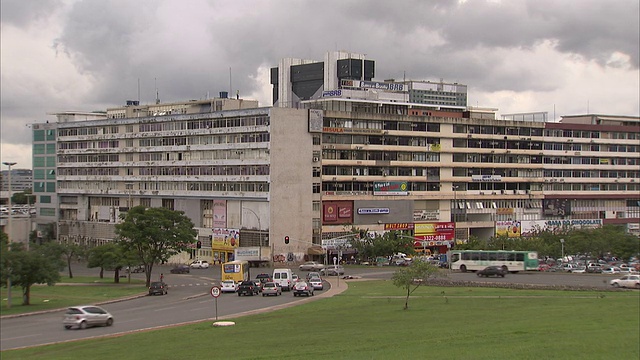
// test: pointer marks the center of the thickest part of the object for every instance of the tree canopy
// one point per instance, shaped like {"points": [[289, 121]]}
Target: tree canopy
{"points": [[39, 265], [155, 234]]}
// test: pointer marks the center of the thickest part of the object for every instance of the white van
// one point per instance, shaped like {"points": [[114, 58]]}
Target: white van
{"points": [[283, 277]]}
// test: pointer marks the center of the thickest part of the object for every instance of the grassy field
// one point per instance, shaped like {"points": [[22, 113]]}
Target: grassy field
{"points": [[45, 297], [367, 322]]}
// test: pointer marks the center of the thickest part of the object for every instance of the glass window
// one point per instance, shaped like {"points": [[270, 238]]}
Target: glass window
{"points": [[38, 149], [38, 135], [51, 134], [51, 161], [45, 199], [38, 174], [51, 148], [51, 187]]}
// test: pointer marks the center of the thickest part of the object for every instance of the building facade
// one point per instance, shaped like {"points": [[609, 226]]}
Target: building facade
{"points": [[341, 152]]}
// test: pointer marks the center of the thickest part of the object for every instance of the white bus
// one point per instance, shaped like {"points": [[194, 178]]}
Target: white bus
{"points": [[474, 260]]}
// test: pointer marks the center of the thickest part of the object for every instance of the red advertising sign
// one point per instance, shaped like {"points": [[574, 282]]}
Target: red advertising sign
{"points": [[330, 212]]}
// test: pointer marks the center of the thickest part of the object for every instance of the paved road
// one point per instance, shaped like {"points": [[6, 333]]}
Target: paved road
{"points": [[189, 301]]}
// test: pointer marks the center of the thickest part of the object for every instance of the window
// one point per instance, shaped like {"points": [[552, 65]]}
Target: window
{"points": [[45, 199], [38, 135]]}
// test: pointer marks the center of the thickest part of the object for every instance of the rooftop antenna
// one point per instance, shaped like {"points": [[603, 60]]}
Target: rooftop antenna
{"points": [[230, 92], [155, 80], [138, 90]]}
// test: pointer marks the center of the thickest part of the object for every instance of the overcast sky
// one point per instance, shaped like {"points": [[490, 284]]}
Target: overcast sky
{"points": [[563, 57]]}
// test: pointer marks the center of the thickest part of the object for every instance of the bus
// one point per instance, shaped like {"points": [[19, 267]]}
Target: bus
{"points": [[474, 260], [237, 270]]}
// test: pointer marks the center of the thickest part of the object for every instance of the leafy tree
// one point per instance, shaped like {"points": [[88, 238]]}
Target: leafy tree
{"points": [[67, 251], [155, 234], [36, 266], [381, 245], [413, 276], [109, 256], [22, 198]]}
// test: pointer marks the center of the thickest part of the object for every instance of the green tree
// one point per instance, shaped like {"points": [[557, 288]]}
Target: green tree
{"points": [[413, 276], [155, 234], [110, 256], [36, 266], [67, 251], [22, 198]]}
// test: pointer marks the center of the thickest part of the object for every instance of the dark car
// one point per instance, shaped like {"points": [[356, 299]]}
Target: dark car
{"points": [[157, 287], [491, 271], [180, 269], [248, 287], [302, 288], [263, 278]]}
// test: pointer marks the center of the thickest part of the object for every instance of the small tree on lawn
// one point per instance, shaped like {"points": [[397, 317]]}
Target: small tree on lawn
{"points": [[155, 234], [36, 266], [413, 276]]}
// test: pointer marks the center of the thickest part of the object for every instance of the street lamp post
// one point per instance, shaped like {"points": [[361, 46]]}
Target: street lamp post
{"points": [[562, 244], [259, 234], [455, 206], [9, 230]]}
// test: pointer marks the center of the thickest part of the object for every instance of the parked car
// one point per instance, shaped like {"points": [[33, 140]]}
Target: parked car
{"points": [[491, 271], [311, 266], [316, 283], [302, 288], [86, 316], [611, 270], [627, 281], [333, 270], [248, 287], [158, 287], [228, 286], [181, 269], [294, 278], [199, 264], [271, 288], [135, 269], [578, 270]]}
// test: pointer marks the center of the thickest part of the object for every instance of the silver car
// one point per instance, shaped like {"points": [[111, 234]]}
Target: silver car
{"points": [[86, 316]]}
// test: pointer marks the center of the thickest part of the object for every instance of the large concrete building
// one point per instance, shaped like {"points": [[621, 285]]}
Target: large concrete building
{"points": [[341, 150]]}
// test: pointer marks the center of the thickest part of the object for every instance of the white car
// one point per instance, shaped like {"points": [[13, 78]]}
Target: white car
{"points": [[628, 281], [199, 264], [611, 270], [316, 283], [311, 266], [228, 286]]}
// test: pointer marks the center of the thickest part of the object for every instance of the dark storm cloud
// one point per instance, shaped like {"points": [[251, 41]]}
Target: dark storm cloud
{"points": [[188, 49], [22, 13], [263, 32]]}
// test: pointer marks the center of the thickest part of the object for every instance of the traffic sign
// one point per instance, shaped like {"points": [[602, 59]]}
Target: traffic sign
{"points": [[215, 291]]}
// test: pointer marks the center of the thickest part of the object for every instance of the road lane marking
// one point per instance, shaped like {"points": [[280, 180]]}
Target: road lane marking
{"points": [[21, 337]]}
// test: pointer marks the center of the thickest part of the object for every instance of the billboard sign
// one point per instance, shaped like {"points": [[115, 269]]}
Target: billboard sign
{"points": [[508, 228], [391, 188], [434, 231]]}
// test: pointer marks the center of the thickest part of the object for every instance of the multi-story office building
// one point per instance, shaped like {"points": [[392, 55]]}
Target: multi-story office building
{"points": [[337, 152], [21, 180]]}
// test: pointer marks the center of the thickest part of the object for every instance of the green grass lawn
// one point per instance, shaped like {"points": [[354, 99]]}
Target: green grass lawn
{"points": [[368, 322], [45, 297]]}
